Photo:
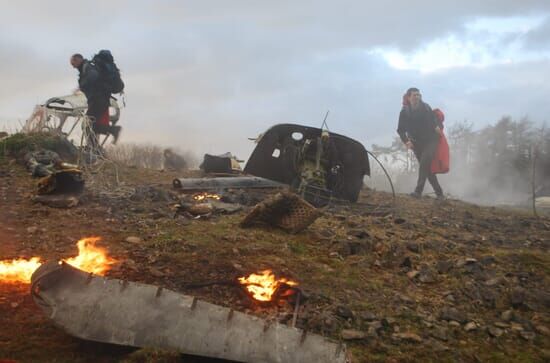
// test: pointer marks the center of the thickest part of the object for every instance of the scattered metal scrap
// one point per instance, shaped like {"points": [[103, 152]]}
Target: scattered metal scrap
{"points": [[69, 179], [57, 177], [225, 163], [284, 210], [54, 113], [59, 183], [41, 163], [189, 184], [56, 200], [206, 209], [127, 313]]}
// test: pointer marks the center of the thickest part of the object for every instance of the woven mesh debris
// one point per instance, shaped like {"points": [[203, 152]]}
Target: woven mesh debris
{"points": [[284, 210]]}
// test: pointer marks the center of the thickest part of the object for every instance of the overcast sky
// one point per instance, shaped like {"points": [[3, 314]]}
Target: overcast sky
{"points": [[205, 75]]}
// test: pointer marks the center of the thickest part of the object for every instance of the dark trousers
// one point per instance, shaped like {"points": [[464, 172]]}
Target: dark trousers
{"points": [[425, 152], [98, 106]]}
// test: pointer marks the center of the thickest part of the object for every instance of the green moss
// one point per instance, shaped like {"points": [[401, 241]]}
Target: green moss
{"points": [[19, 144], [297, 248]]}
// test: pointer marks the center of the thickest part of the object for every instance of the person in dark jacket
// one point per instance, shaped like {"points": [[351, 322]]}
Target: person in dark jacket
{"points": [[420, 130], [99, 98]]}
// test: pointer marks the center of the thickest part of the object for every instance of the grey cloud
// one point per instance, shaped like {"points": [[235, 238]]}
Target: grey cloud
{"points": [[539, 38], [206, 75]]}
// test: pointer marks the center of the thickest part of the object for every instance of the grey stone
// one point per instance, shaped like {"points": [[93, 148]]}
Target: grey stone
{"points": [[350, 334], [444, 266], [366, 315], [527, 335], [540, 298], [344, 312], [507, 315], [133, 239], [488, 296], [376, 325], [372, 332], [452, 314], [427, 275], [440, 333], [517, 297], [350, 248], [406, 262], [495, 281], [405, 299], [407, 336], [494, 331], [32, 229], [57, 200], [359, 233], [541, 329], [388, 321], [413, 247], [487, 260]]}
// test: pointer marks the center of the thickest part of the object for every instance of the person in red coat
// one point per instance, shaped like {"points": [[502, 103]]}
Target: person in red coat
{"points": [[420, 130]]}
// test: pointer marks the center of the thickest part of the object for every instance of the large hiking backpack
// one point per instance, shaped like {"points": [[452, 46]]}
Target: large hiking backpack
{"points": [[109, 73]]}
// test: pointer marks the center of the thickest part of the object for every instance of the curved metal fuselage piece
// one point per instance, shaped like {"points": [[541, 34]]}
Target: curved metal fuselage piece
{"points": [[127, 313]]}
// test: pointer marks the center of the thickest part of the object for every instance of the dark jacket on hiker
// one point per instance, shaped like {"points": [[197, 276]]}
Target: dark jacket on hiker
{"points": [[418, 125], [90, 84], [88, 80]]}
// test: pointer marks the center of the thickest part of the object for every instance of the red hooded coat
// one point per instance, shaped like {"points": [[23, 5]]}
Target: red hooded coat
{"points": [[440, 162]]}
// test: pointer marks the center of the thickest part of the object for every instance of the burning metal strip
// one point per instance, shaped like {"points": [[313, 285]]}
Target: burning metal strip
{"points": [[224, 183], [139, 315]]}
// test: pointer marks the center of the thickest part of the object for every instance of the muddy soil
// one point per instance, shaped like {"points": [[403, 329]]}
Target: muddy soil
{"points": [[400, 281]]}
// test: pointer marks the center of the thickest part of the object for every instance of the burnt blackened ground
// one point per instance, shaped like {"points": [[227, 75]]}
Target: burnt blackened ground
{"points": [[417, 280]]}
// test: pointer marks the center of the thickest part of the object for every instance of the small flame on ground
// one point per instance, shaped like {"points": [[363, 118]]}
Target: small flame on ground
{"points": [[90, 259], [19, 270], [263, 286], [202, 196]]}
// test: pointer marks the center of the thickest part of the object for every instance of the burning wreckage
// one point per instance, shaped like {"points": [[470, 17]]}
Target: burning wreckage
{"points": [[318, 165], [76, 296], [127, 313]]}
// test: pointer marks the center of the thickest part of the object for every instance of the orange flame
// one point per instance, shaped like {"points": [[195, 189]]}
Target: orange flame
{"points": [[90, 259], [19, 270], [262, 287], [202, 196]]}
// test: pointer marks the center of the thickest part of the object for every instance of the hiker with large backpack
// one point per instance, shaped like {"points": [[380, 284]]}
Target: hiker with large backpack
{"points": [[98, 79], [420, 130]]}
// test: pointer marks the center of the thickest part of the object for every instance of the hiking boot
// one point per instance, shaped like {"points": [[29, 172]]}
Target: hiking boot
{"points": [[416, 195], [440, 197], [115, 131]]}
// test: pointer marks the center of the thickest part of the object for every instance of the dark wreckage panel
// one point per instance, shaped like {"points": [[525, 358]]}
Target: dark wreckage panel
{"points": [[317, 164]]}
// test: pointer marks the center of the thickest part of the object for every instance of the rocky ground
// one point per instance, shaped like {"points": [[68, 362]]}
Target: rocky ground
{"points": [[410, 281]]}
